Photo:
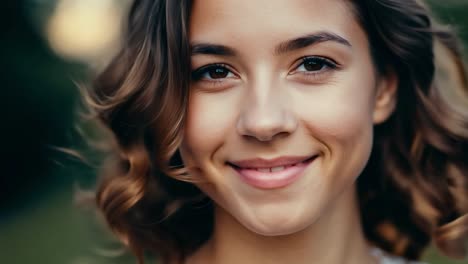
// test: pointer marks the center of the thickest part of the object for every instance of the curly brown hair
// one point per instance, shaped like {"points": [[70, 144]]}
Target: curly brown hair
{"points": [[414, 189]]}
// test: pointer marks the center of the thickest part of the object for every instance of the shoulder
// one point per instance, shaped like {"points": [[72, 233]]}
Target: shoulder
{"points": [[390, 259]]}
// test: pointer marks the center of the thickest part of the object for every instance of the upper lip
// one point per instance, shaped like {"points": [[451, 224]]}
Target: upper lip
{"points": [[269, 163]]}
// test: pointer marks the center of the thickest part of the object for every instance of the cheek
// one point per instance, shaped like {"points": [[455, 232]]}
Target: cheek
{"points": [[209, 124], [345, 108], [340, 111], [210, 121], [341, 119], [343, 115]]}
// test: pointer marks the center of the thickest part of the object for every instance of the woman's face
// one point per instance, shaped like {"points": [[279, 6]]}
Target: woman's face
{"points": [[283, 101]]}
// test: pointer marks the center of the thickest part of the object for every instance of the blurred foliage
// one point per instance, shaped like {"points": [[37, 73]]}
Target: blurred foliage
{"points": [[454, 13], [39, 219]]}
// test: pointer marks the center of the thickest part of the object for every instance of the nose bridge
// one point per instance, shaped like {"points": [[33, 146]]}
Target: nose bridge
{"points": [[266, 111]]}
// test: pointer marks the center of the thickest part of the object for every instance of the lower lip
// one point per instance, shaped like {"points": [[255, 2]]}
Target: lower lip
{"points": [[273, 180]]}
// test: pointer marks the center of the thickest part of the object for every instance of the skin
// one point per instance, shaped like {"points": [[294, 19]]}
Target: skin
{"points": [[267, 104]]}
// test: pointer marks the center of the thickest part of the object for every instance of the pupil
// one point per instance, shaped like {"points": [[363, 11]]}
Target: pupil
{"points": [[312, 65], [218, 73]]}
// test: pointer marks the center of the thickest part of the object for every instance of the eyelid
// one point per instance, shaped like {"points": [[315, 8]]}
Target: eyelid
{"points": [[329, 63], [197, 73], [323, 75]]}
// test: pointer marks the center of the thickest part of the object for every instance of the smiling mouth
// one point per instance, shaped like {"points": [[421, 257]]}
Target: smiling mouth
{"points": [[272, 177], [262, 165]]}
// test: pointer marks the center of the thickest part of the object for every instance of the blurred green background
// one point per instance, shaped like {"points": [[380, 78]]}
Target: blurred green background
{"points": [[47, 47]]}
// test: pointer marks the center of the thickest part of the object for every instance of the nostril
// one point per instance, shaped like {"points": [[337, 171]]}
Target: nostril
{"points": [[264, 125], [264, 138]]}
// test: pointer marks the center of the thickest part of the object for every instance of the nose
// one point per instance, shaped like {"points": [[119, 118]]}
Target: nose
{"points": [[266, 113]]}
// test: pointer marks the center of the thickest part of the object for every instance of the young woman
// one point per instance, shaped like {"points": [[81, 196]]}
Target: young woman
{"points": [[274, 131]]}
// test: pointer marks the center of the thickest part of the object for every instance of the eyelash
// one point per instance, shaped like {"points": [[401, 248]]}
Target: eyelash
{"points": [[325, 63], [199, 73]]}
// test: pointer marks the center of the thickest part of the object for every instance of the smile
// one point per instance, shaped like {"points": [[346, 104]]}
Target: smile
{"points": [[271, 174]]}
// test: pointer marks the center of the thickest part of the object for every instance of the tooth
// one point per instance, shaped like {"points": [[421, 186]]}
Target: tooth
{"points": [[280, 168], [263, 169]]}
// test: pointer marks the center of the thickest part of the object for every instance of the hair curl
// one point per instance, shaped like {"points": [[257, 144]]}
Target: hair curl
{"points": [[414, 189]]}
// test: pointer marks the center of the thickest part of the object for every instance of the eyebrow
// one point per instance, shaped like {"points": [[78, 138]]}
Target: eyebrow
{"points": [[308, 40], [283, 47], [212, 49]]}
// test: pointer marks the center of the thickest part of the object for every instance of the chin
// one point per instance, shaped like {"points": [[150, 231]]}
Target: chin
{"points": [[276, 229], [277, 224]]}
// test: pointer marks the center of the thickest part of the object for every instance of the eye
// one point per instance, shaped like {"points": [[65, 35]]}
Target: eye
{"points": [[314, 65], [212, 72], [314, 69]]}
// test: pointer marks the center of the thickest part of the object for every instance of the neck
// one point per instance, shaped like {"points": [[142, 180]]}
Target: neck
{"points": [[336, 237]]}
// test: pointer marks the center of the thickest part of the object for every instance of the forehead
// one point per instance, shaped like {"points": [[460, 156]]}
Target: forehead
{"points": [[271, 20]]}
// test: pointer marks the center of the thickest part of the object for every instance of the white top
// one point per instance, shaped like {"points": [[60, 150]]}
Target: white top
{"points": [[388, 259]]}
